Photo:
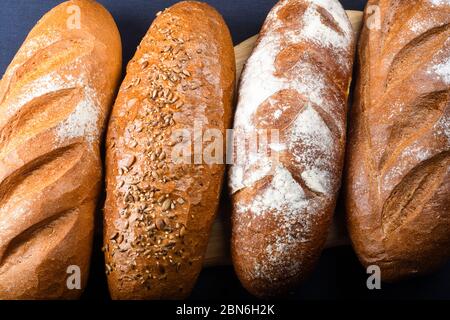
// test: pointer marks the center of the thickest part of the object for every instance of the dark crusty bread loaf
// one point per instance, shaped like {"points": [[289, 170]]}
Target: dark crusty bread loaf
{"points": [[296, 81], [54, 100], [398, 183], [159, 212]]}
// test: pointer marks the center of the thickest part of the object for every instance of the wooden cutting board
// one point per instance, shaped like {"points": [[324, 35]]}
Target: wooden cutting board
{"points": [[218, 252]]}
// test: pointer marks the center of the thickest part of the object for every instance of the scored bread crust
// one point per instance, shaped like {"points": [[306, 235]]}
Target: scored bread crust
{"points": [[398, 182], [54, 100], [296, 81], [158, 213]]}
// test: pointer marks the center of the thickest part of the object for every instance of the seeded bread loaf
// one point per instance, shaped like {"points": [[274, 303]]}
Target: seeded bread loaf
{"points": [[296, 82], [159, 210], [398, 182], [54, 99]]}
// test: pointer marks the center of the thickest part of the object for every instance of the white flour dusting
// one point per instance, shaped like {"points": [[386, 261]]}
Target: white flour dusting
{"points": [[443, 70], [440, 2], [310, 130], [317, 180], [278, 254], [277, 114], [446, 129], [240, 177], [31, 46], [278, 147], [321, 34], [418, 152], [259, 84], [83, 121], [418, 25], [49, 83], [334, 8], [442, 127], [282, 196]]}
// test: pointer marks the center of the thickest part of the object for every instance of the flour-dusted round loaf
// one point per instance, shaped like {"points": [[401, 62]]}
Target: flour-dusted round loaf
{"points": [[159, 210], [54, 100], [297, 82], [398, 176]]}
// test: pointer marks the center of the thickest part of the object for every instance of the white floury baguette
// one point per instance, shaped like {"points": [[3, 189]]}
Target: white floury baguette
{"points": [[297, 82]]}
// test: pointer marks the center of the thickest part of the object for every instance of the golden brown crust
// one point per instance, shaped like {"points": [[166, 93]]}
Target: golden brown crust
{"points": [[398, 183], [53, 107], [296, 81], [158, 214]]}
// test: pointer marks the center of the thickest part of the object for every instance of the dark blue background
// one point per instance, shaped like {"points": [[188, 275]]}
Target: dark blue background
{"points": [[338, 275]]}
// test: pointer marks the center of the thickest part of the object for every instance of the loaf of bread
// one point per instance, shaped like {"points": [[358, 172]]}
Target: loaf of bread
{"points": [[54, 100], [160, 203], [398, 182], [296, 84]]}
